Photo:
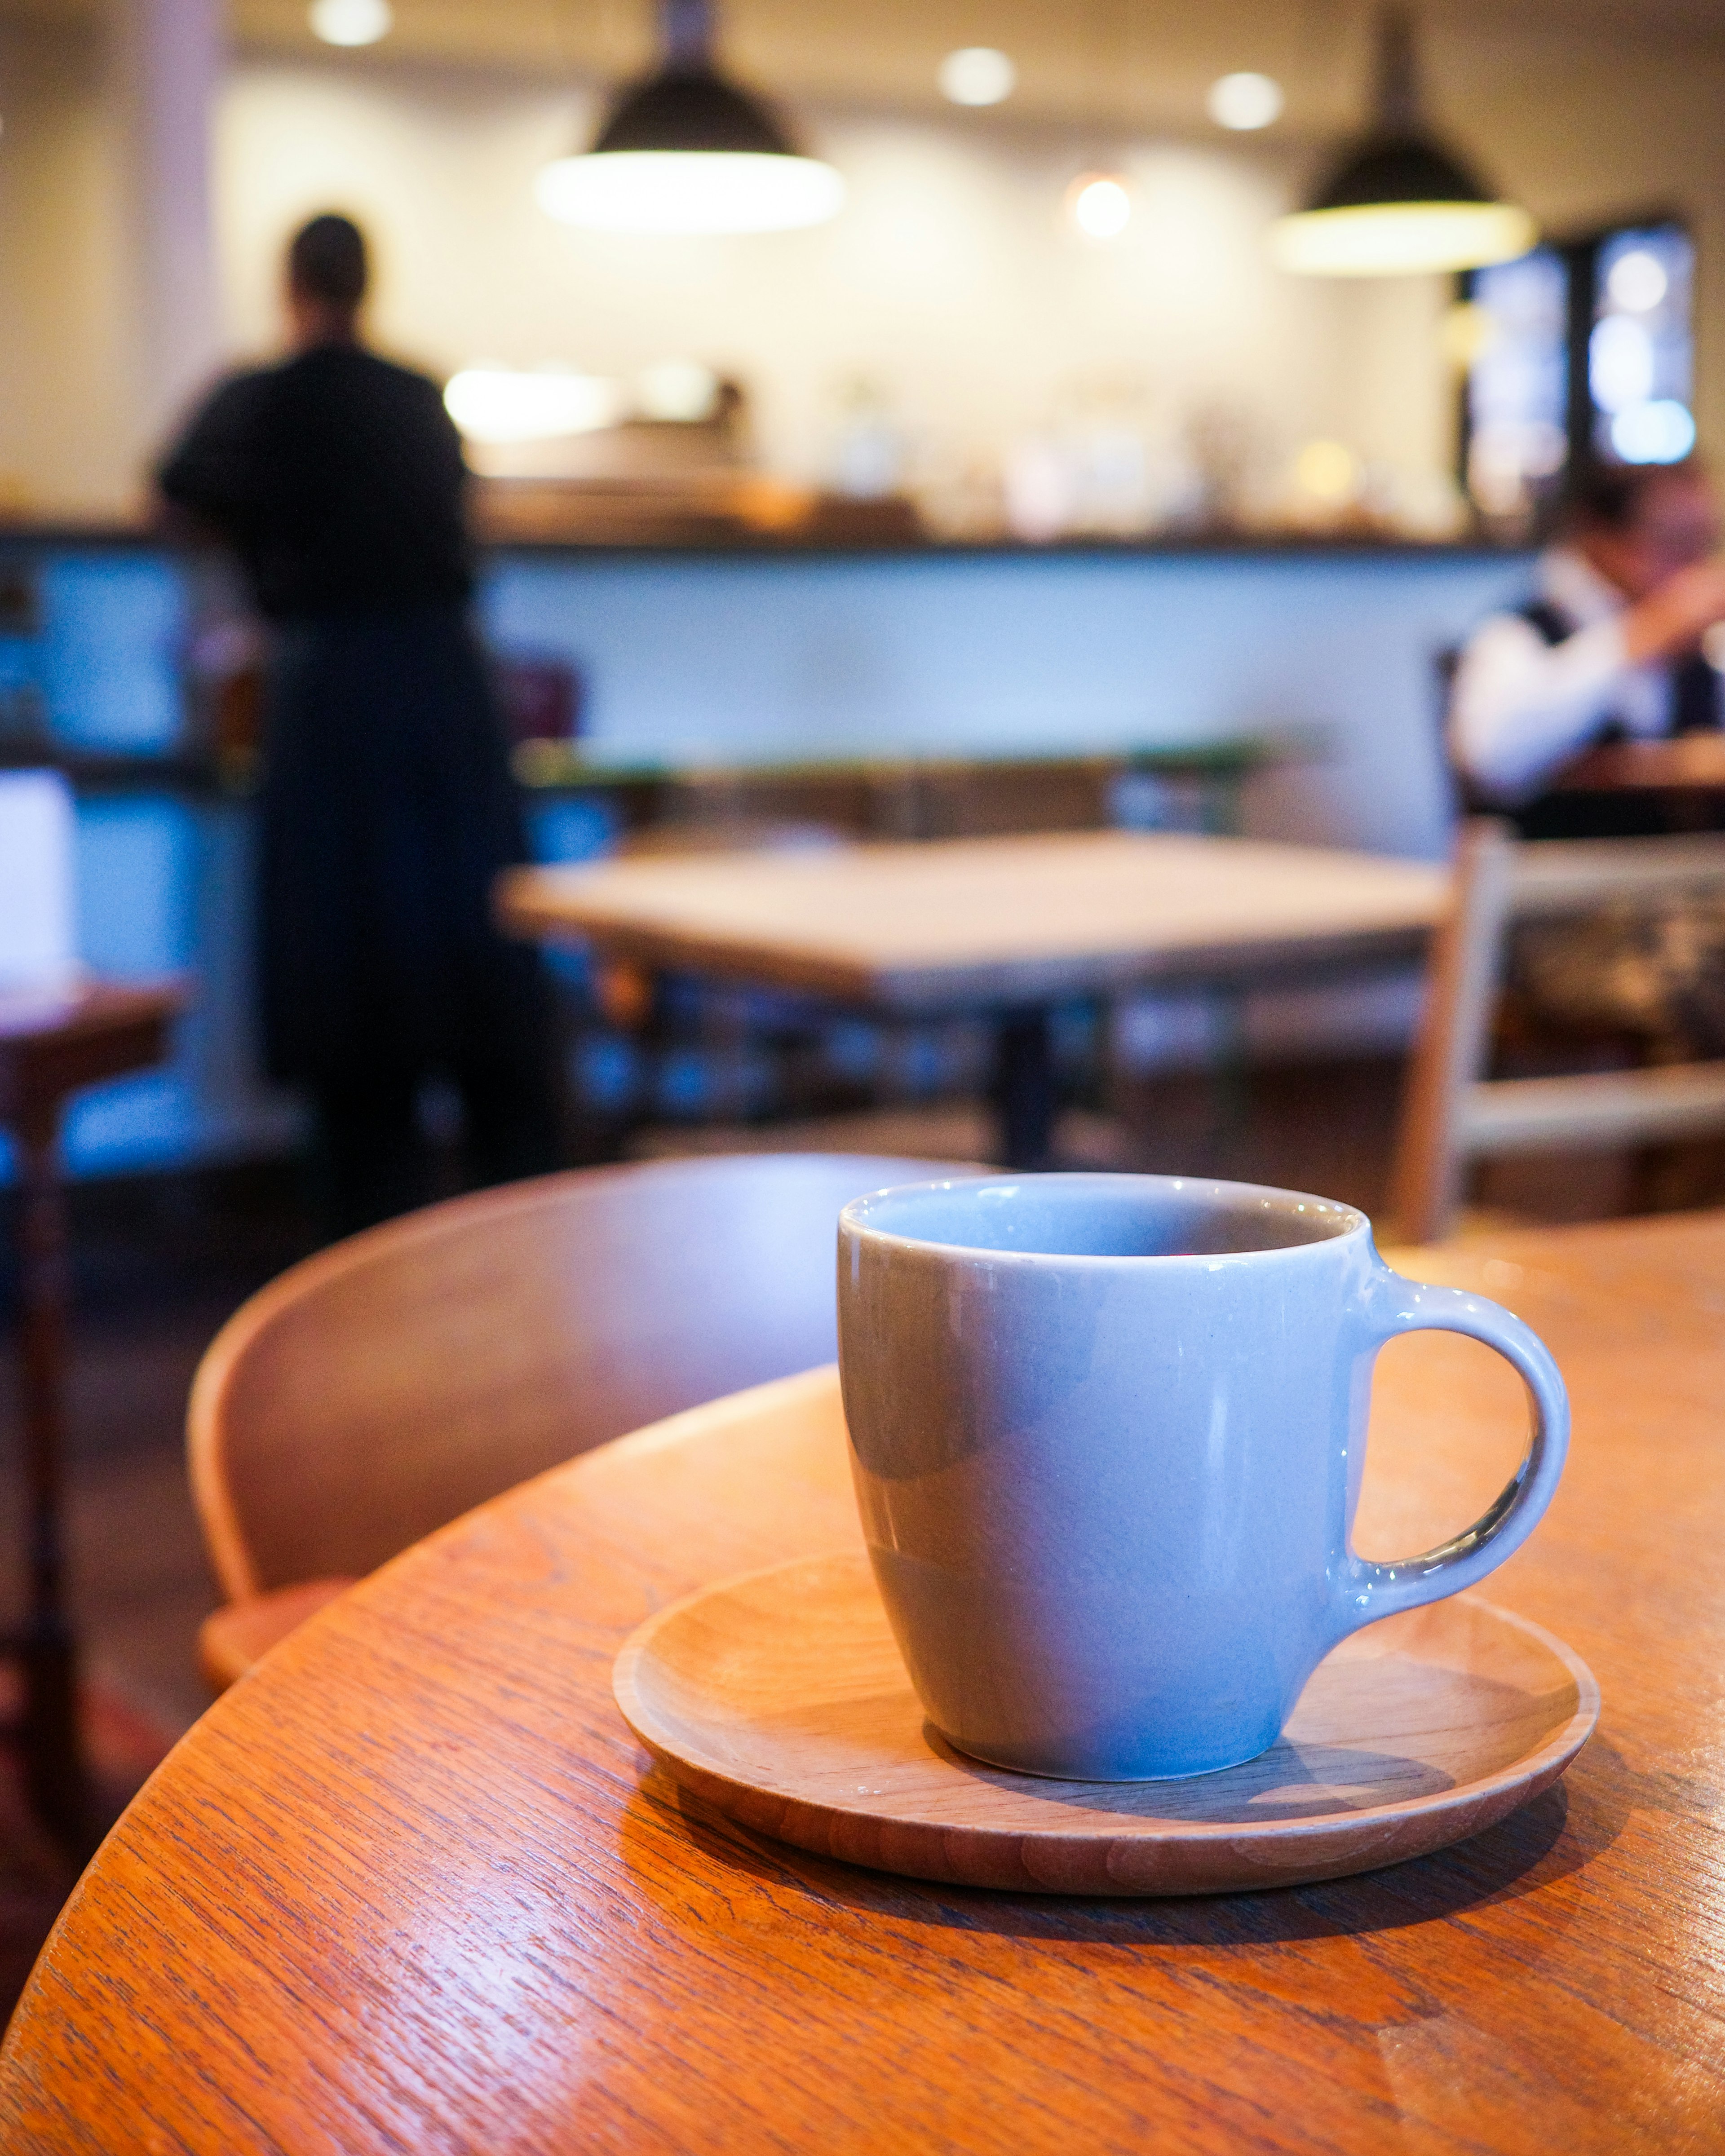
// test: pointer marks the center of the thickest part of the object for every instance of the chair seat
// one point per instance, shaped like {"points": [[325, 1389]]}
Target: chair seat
{"points": [[230, 1642]]}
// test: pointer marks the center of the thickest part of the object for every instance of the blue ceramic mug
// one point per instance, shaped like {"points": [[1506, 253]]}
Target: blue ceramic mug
{"points": [[1108, 1433]]}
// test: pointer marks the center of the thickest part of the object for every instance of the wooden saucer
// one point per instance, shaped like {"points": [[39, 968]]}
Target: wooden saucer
{"points": [[780, 1699]]}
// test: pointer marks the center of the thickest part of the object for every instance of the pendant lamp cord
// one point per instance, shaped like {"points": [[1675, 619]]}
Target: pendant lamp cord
{"points": [[1398, 100], [686, 27]]}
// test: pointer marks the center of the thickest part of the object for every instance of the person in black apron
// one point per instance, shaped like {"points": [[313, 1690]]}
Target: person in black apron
{"points": [[387, 805], [1613, 646]]}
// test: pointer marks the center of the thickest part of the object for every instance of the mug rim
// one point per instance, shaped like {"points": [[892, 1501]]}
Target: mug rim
{"points": [[852, 1218]]}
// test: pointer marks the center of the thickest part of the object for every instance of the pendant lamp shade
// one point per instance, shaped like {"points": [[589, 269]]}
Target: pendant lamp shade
{"points": [[686, 152], [1400, 204]]}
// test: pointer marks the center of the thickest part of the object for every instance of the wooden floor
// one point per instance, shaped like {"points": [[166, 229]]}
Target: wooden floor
{"points": [[160, 1262]]}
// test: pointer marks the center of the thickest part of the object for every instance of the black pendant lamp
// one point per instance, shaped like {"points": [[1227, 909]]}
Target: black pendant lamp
{"points": [[1400, 204], [687, 152]]}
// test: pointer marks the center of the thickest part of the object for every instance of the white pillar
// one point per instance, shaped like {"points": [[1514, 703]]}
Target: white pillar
{"points": [[167, 58]]}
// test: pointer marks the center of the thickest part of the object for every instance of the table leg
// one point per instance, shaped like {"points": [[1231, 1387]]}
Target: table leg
{"points": [[46, 1650], [1022, 1092], [1230, 1089]]}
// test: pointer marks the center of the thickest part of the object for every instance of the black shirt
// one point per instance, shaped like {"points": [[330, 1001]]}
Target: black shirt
{"points": [[337, 478]]}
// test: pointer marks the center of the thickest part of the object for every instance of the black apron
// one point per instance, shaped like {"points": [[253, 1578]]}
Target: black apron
{"points": [[388, 810], [388, 807]]}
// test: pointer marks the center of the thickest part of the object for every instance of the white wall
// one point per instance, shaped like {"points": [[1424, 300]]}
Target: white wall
{"points": [[67, 436]]}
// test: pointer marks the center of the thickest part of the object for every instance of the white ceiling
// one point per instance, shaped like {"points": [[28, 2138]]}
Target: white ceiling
{"points": [[1144, 62]]}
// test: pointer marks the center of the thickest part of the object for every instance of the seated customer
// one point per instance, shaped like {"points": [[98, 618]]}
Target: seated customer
{"points": [[1609, 650]]}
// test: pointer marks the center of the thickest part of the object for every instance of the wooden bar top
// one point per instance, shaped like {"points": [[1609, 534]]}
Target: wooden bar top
{"points": [[410, 1886], [958, 921]]}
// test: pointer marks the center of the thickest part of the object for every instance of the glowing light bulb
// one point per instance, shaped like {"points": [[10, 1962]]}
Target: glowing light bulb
{"points": [[977, 74], [1329, 471], [351, 22], [1100, 206], [1244, 101], [1400, 238], [689, 191]]}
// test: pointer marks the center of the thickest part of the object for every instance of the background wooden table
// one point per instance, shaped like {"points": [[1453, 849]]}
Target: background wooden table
{"points": [[1688, 763], [52, 1046], [1011, 928], [409, 1887]]}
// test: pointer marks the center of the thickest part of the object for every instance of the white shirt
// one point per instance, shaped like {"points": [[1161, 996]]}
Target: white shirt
{"points": [[1520, 707]]}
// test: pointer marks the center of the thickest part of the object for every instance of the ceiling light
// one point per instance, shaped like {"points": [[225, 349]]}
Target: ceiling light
{"points": [[1100, 206], [1400, 240], [1328, 471], [706, 191], [1399, 204], [977, 74], [1244, 101], [685, 152], [351, 22]]}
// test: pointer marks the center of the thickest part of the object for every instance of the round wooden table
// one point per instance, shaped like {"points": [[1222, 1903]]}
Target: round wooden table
{"points": [[409, 1887]]}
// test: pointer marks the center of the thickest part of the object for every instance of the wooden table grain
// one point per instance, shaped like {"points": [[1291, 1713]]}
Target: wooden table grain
{"points": [[1009, 927], [411, 1886], [982, 922]]}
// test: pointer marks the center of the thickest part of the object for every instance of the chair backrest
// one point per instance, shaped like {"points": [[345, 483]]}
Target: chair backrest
{"points": [[1450, 1113], [391, 1383]]}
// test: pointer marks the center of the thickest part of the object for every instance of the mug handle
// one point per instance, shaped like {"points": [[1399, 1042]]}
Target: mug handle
{"points": [[1370, 1589]]}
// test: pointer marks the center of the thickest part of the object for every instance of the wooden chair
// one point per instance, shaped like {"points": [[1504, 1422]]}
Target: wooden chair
{"points": [[1451, 1114], [389, 1383]]}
